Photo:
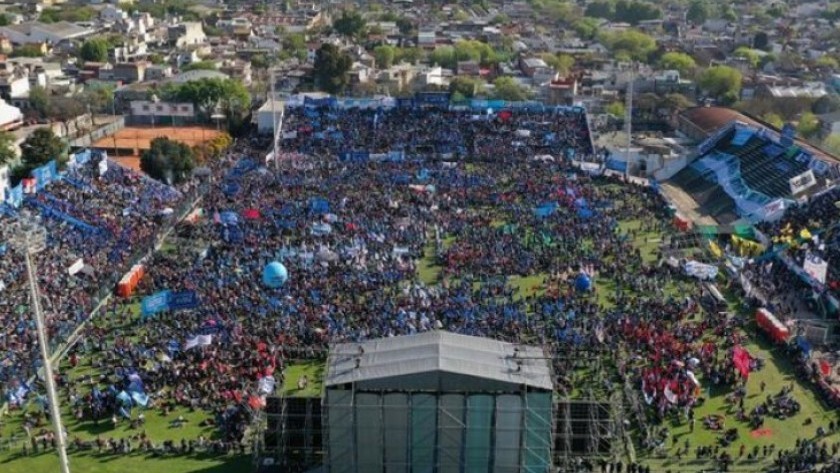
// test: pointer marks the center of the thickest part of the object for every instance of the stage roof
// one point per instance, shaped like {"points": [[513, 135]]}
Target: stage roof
{"points": [[438, 361]]}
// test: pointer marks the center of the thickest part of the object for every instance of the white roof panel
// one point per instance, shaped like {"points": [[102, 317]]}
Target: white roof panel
{"points": [[439, 361]]}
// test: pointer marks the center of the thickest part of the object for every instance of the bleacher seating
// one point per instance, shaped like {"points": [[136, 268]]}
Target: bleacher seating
{"points": [[756, 171]]}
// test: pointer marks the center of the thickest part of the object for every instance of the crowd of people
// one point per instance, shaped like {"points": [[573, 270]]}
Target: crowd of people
{"points": [[353, 234], [103, 218]]}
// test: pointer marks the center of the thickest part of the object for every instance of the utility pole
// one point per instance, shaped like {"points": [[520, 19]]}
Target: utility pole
{"points": [[31, 238], [276, 129], [629, 120]]}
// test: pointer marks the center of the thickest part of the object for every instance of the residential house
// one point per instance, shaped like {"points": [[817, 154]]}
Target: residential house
{"points": [[37, 32], [562, 91], [427, 39], [112, 14], [125, 72], [360, 73], [14, 83], [186, 33], [146, 112], [238, 69], [398, 77], [158, 72], [468, 68], [532, 65]]}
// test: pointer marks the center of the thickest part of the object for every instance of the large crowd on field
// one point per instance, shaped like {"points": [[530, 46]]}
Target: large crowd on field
{"points": [[503, 246]]}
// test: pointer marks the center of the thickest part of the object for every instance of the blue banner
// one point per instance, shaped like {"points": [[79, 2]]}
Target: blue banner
{"points": [[183, 300], [82, 157], [405, 103], [354, 156], [16, 196], [432, 98], [44, 175], [155, 303]]}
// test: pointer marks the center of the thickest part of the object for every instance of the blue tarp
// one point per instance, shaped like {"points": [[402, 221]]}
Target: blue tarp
{"points": [[229, 218], [318, 205]]}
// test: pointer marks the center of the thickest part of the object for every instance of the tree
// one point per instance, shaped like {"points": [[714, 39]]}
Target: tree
{"points": [[167, 161], [616, 109], [505, 88], [761, 41], [634, 11], [675, 103], [39, 148], [350, 24], [405, 26], [94, 50], [773, 119], [331, 68], [750, 55], [680, 61], [826, 104], [200, 66], [468, 87], [698, 12], [832, 144], [384, 56], [721, 82], [39, 99], [443, 56], [4, 20], [600, 9], [586, 28], [826, 62], [561, 63], [207, 93], [295, 44], [808, 125], [28, 50], [7, 148], [631, 43]]}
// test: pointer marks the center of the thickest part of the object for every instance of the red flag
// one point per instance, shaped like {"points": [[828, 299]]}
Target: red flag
{"points": [[825, 367], [741, 359]]}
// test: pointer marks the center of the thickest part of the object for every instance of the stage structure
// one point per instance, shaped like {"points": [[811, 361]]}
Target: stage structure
{"points": [[438, 402], [586, 426], [287, 435]]}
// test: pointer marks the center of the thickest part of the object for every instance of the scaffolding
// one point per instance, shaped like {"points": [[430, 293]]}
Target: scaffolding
{"points": [[587, 426], [288, 435]]}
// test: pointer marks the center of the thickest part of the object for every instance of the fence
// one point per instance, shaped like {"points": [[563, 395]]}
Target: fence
{"points": [[96, 135]]}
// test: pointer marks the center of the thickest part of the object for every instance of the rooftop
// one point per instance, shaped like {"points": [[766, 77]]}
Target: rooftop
{"points": [[438, 361]]}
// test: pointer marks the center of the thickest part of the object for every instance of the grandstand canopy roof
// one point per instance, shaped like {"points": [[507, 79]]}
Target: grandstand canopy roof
{"points": [[438, 361], [709, 119]]}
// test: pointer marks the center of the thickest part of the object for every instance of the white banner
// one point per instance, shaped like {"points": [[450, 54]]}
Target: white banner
{"points": [[802, 182], [816, 267], [103, 167], [76, 267]]}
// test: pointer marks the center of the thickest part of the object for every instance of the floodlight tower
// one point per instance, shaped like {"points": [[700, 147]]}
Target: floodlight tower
{"points": [[277, 128], [31, 238]]}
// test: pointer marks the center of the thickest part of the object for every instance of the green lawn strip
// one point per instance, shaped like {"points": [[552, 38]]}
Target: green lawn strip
{"points": [[313, 370], [777, 372], [137, 462], [427, 268]]}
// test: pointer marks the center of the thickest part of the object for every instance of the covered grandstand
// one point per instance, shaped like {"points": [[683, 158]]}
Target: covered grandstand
{"points": [[745, 169]]}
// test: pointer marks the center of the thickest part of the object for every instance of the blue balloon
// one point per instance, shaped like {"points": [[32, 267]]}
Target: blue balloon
{"points": [[275, 275], [583, 282]]}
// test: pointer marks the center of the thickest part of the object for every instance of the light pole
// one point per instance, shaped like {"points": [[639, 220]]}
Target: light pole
{"points": [[31, 238]]}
